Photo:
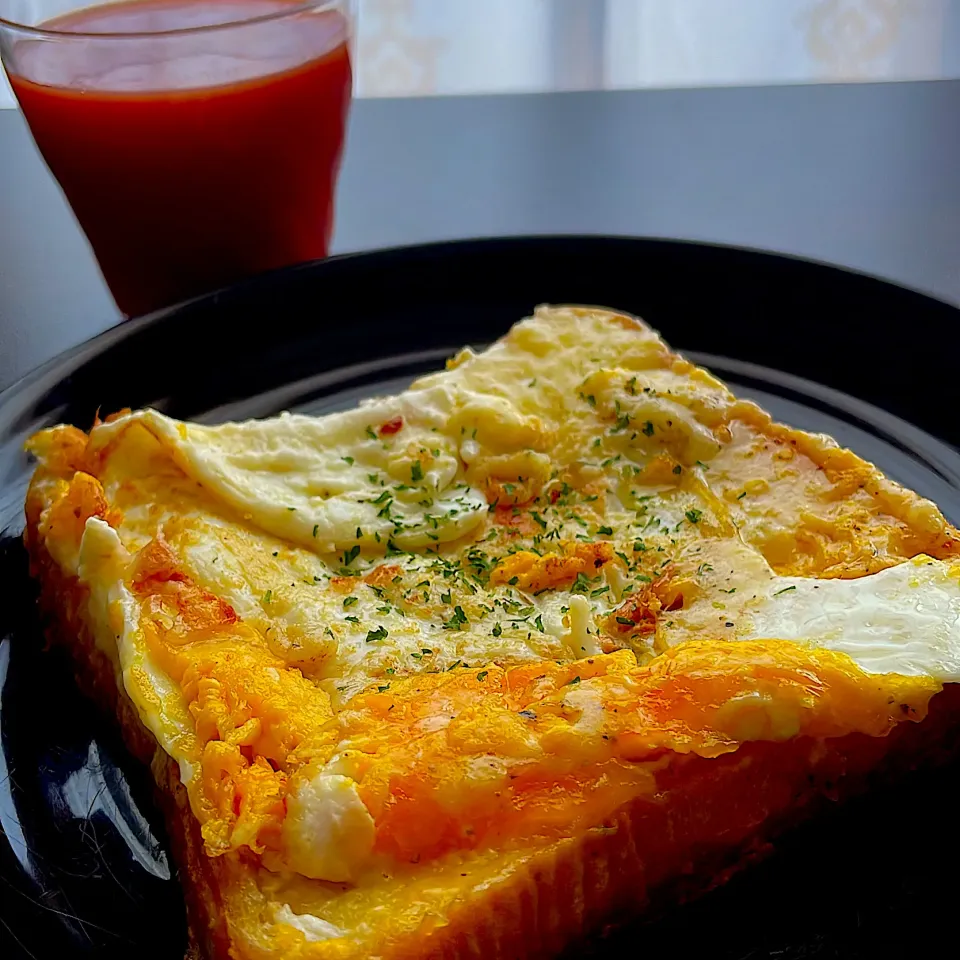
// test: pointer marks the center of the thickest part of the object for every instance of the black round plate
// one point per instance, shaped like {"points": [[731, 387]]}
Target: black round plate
{"points": [[84, 870]]}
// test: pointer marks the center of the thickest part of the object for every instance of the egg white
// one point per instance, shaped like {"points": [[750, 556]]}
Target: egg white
{"points": [[905, 619]]}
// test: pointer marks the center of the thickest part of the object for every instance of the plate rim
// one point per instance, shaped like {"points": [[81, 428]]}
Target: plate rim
{"points": [[68, 360]]}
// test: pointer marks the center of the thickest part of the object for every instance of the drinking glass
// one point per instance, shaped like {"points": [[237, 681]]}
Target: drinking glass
{"points": [[197, 141]]}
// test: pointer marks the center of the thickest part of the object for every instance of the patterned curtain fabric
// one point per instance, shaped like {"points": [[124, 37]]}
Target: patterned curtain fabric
{"points": [[411, 47], [705, 42]]}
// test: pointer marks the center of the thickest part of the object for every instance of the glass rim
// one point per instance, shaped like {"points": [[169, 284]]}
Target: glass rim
{"points": [[42, 32]]}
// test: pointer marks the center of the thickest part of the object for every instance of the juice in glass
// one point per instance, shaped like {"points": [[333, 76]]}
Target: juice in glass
{"points": [[198, 141]]}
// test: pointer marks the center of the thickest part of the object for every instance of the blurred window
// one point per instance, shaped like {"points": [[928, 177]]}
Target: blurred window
{"points": [[441, 47]]}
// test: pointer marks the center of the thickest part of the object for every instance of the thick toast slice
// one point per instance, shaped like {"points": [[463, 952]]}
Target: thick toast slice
{"points": [[562, 632]]}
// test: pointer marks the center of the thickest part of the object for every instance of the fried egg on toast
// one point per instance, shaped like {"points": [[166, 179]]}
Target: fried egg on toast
{"points": [[481, 668]]}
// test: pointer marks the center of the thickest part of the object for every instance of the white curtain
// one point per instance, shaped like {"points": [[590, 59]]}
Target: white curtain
{"points": [[424, 47], [472, 46], [415, 47], [712, 42]]}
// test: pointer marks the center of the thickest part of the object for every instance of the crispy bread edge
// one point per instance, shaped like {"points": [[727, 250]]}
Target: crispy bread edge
{"points": [[61, 601]]}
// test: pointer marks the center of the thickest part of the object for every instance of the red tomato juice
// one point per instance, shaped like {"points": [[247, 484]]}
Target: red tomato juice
{"points": [[191, 157]]}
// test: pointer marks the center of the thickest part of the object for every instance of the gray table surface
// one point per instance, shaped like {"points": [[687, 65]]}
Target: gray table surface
{"points": [[863, 175]]}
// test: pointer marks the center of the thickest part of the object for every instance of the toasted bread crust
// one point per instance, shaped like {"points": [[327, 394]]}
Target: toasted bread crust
{"points": [[599, 883], [61, 602]]}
